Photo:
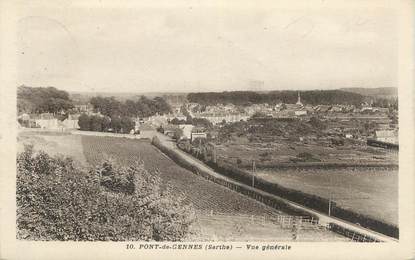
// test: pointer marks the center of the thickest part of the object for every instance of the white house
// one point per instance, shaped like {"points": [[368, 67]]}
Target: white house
{"points": [[300, 112], [198, 135], [187, 130], [71, 122], [47, 121], [387, 136]]}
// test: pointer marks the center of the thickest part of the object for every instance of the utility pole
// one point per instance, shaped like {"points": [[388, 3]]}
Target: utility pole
{"points": [[329, 206], [253, 173]]}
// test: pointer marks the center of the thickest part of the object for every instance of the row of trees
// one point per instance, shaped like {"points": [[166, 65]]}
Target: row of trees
{"points": [[201, 122], [244, 98], [51, 100], [42, 100], [143, 107], [117, 124], [391, 103]]}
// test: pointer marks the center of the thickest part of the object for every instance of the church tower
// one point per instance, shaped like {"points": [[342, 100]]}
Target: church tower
{"points": [[299, 100]]}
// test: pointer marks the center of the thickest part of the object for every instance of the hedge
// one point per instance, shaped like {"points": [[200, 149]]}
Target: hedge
{"points": [[355, 236]]}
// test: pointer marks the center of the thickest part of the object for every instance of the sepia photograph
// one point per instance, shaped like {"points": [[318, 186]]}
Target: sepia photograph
{"points": [[201, 123]]}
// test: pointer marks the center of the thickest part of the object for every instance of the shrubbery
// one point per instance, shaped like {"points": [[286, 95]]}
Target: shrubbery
{"points": [[58, 201]]}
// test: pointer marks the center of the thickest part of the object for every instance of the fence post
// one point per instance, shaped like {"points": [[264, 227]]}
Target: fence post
{"points": [[294, 228]]}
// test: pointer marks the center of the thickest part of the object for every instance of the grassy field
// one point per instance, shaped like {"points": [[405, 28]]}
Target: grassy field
{"points": [[370, 191], [374, 193], [204, 195], [283, 151], [53, 143]]}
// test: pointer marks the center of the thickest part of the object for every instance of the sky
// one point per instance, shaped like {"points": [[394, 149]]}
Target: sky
{"points": [[188, 46]]}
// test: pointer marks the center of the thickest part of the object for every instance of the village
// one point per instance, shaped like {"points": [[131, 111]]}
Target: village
{"points": [[342, 120]]}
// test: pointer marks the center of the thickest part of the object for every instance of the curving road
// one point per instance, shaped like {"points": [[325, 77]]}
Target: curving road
{"points": [[324, 219]]}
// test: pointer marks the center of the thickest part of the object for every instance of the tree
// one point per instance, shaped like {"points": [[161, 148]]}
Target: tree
{"points": [[105, 123], [96, 123], [84, 122], [178, 133], [116, 124], [203, 122], [42, 100], [126, 124], [144, 107], [246, 98], [176, 121]]}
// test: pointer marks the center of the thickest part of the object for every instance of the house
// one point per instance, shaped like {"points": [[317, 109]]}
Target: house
{"points": [[170, 130], [309, 108], [336, 109], [322, 108], [381, 110], [366, 108], [217, 118], [198, 133], [387, 136], [25, 120], [47, 121], [187, 130], [83, 108], [300, 112], [71, 122], [24, 117]]}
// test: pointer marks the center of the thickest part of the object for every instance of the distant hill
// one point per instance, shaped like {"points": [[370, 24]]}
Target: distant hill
{"points": [[340, 96], [312, 97], [171, 97], [388, 92]]}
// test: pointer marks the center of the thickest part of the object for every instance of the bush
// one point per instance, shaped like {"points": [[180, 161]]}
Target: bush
{"points": [[84, 122], [116, 179], [58, 201]]}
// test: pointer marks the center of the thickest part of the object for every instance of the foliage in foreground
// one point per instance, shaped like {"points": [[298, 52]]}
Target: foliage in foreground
{"points": [[58, 201]]}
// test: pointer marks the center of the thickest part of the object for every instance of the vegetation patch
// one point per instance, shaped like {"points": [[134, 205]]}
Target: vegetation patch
{"points": [[58, 201]]}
